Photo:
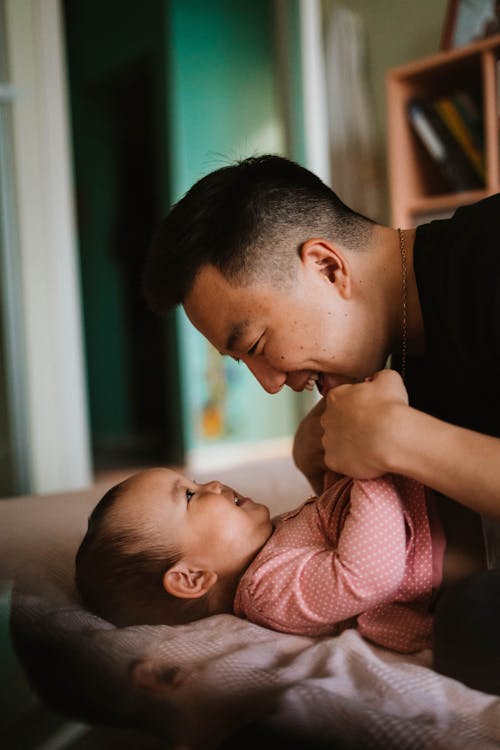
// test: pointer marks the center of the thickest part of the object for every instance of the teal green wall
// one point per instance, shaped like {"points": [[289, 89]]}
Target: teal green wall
{"points": [[217, 98], [223, 103], [224, 106]]}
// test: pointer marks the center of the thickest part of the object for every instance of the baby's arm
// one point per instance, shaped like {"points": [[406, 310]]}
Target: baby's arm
{"points": [[313, 588], [369, 563]]}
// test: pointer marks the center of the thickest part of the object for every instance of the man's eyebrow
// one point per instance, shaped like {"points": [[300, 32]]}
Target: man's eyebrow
{"points": [[235, 334]]}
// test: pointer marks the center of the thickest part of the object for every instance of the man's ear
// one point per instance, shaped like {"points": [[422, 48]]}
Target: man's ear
{"points": [[320, 255], [188, 582]]}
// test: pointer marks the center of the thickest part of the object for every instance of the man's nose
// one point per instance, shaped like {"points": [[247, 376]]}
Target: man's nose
{"points": [[271, 380]]}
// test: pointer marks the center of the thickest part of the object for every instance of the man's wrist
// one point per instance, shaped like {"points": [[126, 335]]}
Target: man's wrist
{"points": [[396, 427]]}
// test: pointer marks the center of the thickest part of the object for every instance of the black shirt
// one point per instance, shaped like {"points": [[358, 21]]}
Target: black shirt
{"points": [[457, 267]]}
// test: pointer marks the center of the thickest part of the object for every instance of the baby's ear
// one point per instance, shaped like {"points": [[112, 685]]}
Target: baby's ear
{"points": [[187, 582]]}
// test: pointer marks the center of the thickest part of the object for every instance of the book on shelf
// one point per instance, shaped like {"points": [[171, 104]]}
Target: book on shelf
{"points": [[459, 116], [471, 114], [445, 149]]}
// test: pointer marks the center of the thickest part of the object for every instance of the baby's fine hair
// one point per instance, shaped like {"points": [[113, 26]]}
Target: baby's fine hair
{"points": [[248, 220], [119, 573]]}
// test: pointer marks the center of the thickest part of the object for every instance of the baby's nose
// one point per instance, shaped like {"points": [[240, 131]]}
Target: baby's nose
{"points": [[214, 486]]}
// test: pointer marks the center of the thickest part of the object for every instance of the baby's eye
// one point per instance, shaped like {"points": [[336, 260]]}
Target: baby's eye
{"points": [[189, 495]]}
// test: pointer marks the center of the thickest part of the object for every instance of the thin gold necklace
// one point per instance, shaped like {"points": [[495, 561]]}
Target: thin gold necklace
{"points": [[404, 312]]}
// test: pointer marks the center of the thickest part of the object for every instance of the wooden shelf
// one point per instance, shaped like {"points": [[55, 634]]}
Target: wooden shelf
{"points": [[448, 58], [418, 191], [437, 204]]}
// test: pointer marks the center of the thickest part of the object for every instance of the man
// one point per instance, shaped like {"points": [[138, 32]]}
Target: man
{"points": [[277, 272]]}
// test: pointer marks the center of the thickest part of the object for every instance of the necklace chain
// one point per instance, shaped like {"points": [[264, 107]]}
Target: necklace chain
{"points": [[404, 311]]}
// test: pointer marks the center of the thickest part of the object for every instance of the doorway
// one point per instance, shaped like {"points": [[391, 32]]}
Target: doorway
{"points": [[117, 92]]}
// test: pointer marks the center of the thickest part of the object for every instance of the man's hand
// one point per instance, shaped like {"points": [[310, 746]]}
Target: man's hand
{"points": [[358, 422], [370, 430], [308, 449]]}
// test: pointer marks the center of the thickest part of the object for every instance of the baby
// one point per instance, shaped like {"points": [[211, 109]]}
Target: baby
{"points": [[161, 548]]}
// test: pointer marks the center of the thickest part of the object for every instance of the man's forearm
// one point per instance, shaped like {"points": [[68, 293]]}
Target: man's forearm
{"points": [[459, 463], [369, 430]]}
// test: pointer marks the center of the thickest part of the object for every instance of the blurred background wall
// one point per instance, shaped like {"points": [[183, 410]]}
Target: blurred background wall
{"points": [[109, 112]]}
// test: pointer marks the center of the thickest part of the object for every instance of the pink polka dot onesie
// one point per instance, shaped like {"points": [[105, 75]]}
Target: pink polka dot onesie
{"points": [[365, 554]]}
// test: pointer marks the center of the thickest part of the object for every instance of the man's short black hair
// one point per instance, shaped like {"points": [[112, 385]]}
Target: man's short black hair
{"points": [[247, 220]]}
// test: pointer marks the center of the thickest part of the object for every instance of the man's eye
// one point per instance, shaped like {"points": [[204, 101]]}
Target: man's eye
{"points": [[189, 495], [253, 348]]}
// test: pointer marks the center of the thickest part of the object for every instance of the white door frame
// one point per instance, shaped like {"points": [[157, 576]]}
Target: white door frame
{"points": [[58, 430], [314, 90]]}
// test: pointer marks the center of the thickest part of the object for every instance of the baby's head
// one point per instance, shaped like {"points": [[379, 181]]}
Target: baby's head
{"points": [[161, 548]]}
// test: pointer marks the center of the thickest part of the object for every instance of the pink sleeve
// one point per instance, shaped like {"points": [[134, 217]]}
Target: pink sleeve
{"points": [[314, 588]]}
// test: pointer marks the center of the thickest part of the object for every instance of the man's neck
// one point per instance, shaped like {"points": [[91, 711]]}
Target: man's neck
{"points": [[416, 333]]}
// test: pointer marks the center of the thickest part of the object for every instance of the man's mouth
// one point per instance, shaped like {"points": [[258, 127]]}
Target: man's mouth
{"points": [[315, 379], [312, 381]]}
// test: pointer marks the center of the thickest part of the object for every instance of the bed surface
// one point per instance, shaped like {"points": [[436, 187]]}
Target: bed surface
{"points": [[196, 685]]}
